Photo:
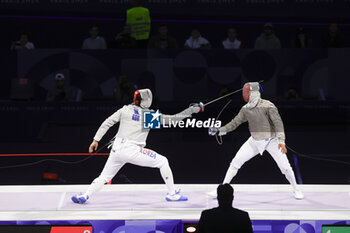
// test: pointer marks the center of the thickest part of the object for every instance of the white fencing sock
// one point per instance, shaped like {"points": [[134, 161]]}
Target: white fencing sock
{"points": [[168, 178], [95, 186], [231, 172], [291, 178]]}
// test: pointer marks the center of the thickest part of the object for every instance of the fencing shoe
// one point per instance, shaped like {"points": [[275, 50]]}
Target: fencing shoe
{"points": [[175, 197], [80, 199], [213, 194], [298, 194]]}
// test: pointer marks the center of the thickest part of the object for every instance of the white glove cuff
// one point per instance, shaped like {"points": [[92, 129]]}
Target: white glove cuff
{"points": [[222, 131], [195, 109]]}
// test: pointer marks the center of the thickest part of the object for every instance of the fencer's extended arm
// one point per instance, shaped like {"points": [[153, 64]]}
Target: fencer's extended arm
{"points": [[166, 119], [232, 125], [277, 123], [108, 123]]}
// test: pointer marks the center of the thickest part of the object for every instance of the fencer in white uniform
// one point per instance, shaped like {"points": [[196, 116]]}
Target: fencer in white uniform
{"points": [[267, 133], [129, 145]]}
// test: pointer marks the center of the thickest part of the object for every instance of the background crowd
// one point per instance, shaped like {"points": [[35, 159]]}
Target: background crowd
{"points": [[135, 32]]}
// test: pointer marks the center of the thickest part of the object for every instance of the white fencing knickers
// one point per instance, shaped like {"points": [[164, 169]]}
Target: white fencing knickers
{"points": [[253, 147], [124, 151]]}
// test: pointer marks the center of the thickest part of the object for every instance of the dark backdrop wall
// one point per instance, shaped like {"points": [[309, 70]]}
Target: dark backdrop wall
{"points": [[189, 75], [250, 9]]}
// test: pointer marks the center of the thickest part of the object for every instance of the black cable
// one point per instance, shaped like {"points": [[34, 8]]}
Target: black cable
{"points": [[57, 160], [315, 158], [218, 137]]}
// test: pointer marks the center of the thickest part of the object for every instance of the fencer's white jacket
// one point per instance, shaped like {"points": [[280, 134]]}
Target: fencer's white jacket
{"points": [[131, 127], [264, 121]]}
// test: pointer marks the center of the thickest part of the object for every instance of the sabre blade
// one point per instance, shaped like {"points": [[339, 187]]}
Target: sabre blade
{"points": [[217, 99]]}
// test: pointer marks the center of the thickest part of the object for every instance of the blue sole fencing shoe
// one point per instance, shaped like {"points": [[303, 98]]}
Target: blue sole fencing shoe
{"points": [[175, 197], [80, 199]]}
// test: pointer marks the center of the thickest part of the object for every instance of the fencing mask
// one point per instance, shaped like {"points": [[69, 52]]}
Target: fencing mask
{"points": [[143, 98], [251, 94]]}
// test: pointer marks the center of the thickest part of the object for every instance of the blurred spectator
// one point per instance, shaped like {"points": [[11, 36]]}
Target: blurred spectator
{"points": [[224, 218], [231, 41], [302, 39], [267, 40], [125, 90], [292, 94], [23, 42], [196, 41], [60, 92], [139, 20], [333, 38], [94, 41], [163, 40], [22, 89], [124, 40]]}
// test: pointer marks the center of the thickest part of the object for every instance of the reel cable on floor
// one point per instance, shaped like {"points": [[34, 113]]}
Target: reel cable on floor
{"points": [[60, 161]]}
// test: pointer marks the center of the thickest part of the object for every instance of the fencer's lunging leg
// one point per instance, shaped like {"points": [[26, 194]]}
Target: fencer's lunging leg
{"points": [[148, 158], [96, 186], [231, 172], [167, 176], [247, 151], [110, 169]]}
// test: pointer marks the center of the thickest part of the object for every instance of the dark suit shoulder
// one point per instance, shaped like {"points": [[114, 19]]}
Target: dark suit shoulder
{"points": [[240, 211], [224, 220], [232, 210], [209, 211]]}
